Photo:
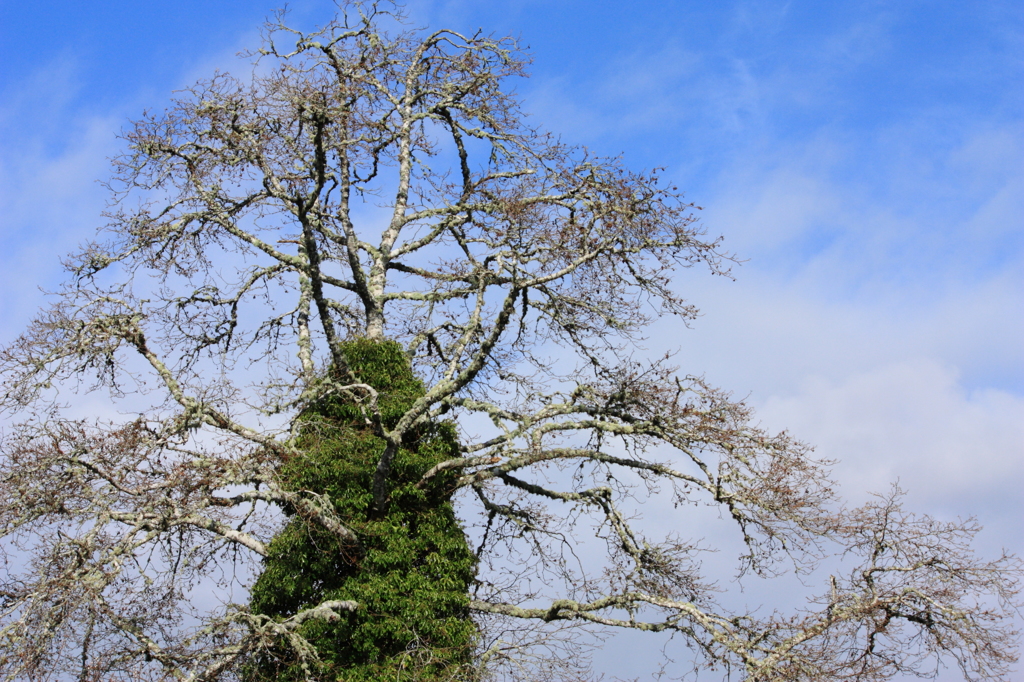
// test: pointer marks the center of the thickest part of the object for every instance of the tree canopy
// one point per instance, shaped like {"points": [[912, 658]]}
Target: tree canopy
{"points": [[365, 343]]}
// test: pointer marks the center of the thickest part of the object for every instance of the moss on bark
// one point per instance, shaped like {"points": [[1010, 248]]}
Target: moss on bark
{"points": [[412, 570]]}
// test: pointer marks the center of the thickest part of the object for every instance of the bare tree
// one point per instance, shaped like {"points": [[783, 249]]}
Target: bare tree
{"points": [[384, 186]]}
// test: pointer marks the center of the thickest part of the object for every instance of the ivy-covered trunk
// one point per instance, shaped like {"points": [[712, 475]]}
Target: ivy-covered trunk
{"points": [[411, 570]]}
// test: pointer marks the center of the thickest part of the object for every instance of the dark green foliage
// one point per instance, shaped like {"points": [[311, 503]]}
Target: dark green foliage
{"points": [[412, 570]]}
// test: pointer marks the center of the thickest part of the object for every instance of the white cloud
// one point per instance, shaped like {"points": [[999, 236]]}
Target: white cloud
{"points": [[913, 421], [48, 190]]}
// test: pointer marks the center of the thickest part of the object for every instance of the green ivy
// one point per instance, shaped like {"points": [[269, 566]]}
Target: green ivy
{"points": [[412, 569]]}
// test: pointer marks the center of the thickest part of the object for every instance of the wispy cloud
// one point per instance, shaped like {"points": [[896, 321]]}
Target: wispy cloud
{"points": [[914, 420]]}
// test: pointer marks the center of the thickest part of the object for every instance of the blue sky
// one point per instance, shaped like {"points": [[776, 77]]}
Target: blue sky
{"points": [[865, 158]]}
